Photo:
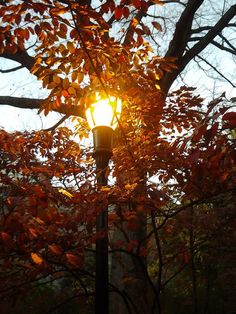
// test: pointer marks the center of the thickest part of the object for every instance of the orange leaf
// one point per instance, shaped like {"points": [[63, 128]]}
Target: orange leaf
{"points": [[36, 258], [56, 249], [65, 93], [33, 232], [66, 83], [56, 79], [74, 259]]}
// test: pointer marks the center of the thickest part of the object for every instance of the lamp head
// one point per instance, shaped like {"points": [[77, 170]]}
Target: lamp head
{"points": [[102, 117], [104, 112]]}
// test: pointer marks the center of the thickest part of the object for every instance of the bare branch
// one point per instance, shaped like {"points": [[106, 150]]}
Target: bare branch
{"points": [[217, 71], [222, 47], [183, 30], [227, 42], [34, 103], [22, 57], [57, 124], [172, 1], [178, 45], [201, 29], [208, 38], [207, 28], [12, 69]]}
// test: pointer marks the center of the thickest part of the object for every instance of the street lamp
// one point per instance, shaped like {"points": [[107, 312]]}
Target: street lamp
{"points": [[102, 117]]}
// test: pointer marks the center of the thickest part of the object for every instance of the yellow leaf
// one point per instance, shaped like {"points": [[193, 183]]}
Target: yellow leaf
{"points": [[71, 47], [66, 193], [40, 221], [72, 91], [134, 22], [80, 77], [36, 258]]}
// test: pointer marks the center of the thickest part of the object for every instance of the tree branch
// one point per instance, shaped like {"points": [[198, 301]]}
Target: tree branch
{"points": [[52, 128], [227, 42], [34, 103], [183, 60], [21, 56], [221, 47], [217, 71], [208, 38], [172, 1], [183, 29], [12, 69]]}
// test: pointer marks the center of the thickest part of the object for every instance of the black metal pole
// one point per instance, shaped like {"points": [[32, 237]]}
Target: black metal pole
{"points": [[102, 154]]}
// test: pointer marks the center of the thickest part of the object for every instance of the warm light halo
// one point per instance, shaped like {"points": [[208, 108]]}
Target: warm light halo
{"points": [[104, 112]]}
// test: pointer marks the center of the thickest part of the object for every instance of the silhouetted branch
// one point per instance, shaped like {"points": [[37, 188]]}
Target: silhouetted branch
{"points": [[35, 103], [12, 69], [217, 71], [20, 56]]}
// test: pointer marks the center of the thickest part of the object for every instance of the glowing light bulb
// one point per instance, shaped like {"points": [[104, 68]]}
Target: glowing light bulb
{"points": [[104, 112]]}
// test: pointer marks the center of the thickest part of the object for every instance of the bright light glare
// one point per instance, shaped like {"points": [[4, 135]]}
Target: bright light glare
{"points": [[104, 112]]}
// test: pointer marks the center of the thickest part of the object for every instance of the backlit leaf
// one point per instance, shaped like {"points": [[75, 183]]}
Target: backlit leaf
{"points": [[56, 249], [74, 260], [36, 258], [118, 13]]}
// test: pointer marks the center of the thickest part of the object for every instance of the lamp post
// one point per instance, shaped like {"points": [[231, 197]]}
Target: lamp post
{"points": [[102, 118]]}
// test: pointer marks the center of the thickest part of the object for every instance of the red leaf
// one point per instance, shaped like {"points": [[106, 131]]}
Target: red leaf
{"points": [[198, 135], [230, 118], [137, 4], [74, 260], [118, 13], [126, 12], [193, 158], [157, 26], [5, 237]]}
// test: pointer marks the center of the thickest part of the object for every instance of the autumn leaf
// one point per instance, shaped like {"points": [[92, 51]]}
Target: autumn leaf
{"points": [[5, 237], [74, 260], [33, 232], [230, 118], [126, 12], [66, 193], [118, 13], [65, 83], [36, 258], [157, 26], [134, 22], [71, 47], [56, 79], [56, 249]]}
